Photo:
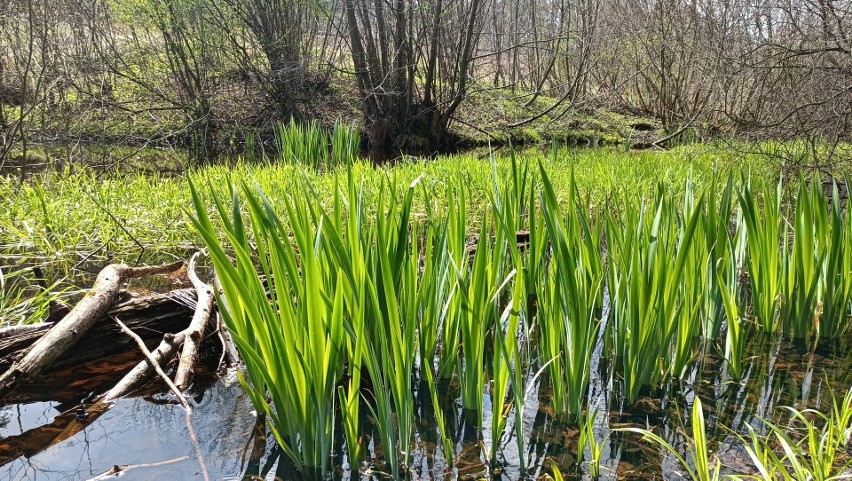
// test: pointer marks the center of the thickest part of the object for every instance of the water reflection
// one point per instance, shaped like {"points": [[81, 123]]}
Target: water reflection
{"points": [[145, 431]]}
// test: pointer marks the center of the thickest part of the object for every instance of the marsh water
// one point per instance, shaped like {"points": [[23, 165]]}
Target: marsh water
{"points": [[148, 437], [150, 434]]}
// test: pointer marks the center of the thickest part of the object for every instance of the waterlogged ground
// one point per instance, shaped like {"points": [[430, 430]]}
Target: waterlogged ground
{"points": [[151, 435]]}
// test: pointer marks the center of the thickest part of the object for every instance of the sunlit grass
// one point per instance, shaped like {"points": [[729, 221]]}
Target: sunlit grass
{"points": [[68, 215], [350, 287]]}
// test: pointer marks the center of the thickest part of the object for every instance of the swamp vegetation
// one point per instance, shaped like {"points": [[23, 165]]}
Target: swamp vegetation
{"points": [[426, 239], [505, 315], [358, 303]]}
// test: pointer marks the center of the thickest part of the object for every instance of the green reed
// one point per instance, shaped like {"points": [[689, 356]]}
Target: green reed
{"points": [[764, 260], [293, 351], [327, 290], [648, 268], [836, 291], [721, 265], [313, 145], [700, 467], [568, 300], [803, 262]]}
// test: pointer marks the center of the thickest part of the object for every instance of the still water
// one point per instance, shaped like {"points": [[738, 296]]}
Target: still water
{"points": [[150, 435]]}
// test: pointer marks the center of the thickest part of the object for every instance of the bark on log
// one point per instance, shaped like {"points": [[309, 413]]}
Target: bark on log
{"points": [[100, 359], [141, 373], [152, 314], [74, 326], [195, 331]]}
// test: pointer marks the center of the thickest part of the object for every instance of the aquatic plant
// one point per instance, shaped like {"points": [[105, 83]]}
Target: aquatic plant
{"points": [[345, 144], [480, 291], [506, 365], [648, 254], [353, 286], [835, 283], [23, 301], [812, 445], [764, 259], [595, 447], [288, 325], [734, 336], [393, 328], [699, 467], [803, 263], [568, 299], [722, 262], [310, 144]]}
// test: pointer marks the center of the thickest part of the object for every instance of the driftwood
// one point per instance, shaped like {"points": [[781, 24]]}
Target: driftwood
{"points": [[104, 348], [104, 354], [191, 338], [154, 363], [67, 332], [195, 331]]}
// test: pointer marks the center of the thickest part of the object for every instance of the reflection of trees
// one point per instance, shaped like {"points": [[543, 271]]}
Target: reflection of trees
{"points": [[5, 416], [134, 431]]}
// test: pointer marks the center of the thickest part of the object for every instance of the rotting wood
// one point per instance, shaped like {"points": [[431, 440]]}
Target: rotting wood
{"points": [[155, 363], [195, 331], [150, 315], [141, 373], [65, 334]]}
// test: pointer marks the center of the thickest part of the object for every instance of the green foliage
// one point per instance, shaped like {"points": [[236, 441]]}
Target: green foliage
{"points": [[568, 299], [312, 145], [764, 260], [700, 467], [288, 326], [22, 304], [365, 273], [812, 446], [650, 266]]}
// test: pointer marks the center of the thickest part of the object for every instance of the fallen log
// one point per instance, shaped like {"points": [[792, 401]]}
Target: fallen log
{"points": [[105, 354], [191, 338], [156, 313], [65, 333]]}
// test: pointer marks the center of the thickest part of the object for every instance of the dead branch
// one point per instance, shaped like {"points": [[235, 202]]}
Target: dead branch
{"points": [[154, 364], [229, 349], [74, 326], [195, 332], [140, 374], [118, 470]]}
